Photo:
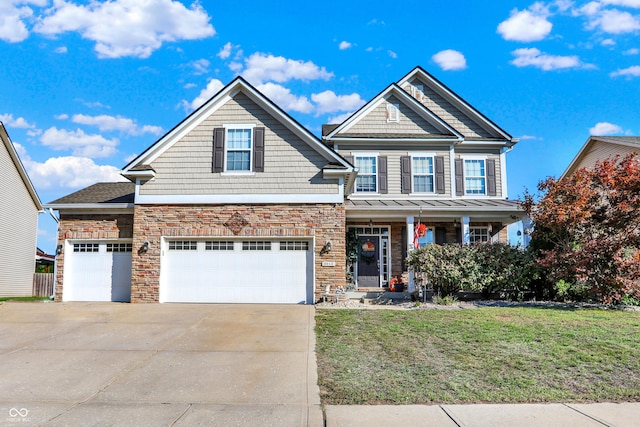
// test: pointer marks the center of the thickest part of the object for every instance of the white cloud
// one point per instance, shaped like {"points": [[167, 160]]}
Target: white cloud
{"points": [[392, 54], [283, 97], [615, 22], [329, 102], [534, 58], [18, 123], [119, 123], [608, 42], [344, 45], [632, 51], [200, 66], [67, 172], [190, 85], [205, 94], [225, 52], [605, 128], [527, 25], [80, 143], [626, 3], [12, 21], [128, 27], [339, 119], [633, 71], [61, 116], [450, 60], [261, 68]]}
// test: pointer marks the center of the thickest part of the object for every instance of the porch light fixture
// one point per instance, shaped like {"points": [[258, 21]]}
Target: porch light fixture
{"points": [[326, 248], [370, 223], [145, 246], [58, 249]]}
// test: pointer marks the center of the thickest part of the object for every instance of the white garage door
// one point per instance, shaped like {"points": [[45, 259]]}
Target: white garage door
{"points": [[237, 271], [97, 271]]}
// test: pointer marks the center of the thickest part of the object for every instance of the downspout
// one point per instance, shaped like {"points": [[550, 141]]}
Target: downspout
{"points": [[55, 259]]}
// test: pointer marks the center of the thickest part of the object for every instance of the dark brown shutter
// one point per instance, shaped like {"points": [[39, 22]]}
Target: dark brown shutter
{"points": [[491, 177], [405, 174], [441, 235], [258, 149], [382, 175], [459, 178], [439, 160], [218, 150]]}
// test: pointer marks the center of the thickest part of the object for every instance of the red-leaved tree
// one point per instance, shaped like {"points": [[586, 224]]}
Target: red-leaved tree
{"points": [[586, 228]]}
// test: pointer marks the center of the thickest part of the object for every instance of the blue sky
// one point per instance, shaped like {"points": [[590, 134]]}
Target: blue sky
{"points": [[86, 86]]}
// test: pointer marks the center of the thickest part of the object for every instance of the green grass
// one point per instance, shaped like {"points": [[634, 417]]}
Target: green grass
{"points": [[25, 299], [477, 355]]}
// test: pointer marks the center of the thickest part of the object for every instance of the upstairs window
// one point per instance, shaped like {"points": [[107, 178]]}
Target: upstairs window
{"points": [[474, 177], [239, 144], [366, 181], [423, 174]]}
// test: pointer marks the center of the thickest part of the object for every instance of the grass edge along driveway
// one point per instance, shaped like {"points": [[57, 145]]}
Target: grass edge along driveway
{"points": [[487, 355]]}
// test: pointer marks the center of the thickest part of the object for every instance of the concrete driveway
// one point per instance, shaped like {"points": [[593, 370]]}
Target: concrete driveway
{"points": [[158, 365]]}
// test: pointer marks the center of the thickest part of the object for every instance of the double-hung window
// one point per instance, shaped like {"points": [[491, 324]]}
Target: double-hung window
{"points": [[423, 173], [239, 148], [475, 178], [367, 179]]}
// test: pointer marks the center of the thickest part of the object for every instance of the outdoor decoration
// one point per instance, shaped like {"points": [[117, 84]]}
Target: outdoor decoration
{"points": [[236, 223]]}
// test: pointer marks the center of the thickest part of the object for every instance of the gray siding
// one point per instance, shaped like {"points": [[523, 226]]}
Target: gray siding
{"points": [[451, 114], [376, 122], [291, 166], [393, 168], [600, 151], [489, 155], [18, 231]]}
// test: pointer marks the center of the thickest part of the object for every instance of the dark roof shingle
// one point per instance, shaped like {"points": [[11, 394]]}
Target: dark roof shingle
{"points": [[103, 192]]}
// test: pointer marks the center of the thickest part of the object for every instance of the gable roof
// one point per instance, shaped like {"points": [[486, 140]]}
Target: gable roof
{"points": [[458, 102], [4, 136], [114, 194], [632, 142], [139, 165], [447, 132]]}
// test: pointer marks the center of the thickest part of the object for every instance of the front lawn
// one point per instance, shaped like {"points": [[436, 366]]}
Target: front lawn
{"points": [[495, 355]]}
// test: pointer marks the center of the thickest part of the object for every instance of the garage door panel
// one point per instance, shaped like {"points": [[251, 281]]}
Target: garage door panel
{"points": [[237, 276]]}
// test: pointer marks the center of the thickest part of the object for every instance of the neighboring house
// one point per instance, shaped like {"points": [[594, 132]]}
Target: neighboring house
{"points": [[599, 148], [18, 223], [240, 203]]}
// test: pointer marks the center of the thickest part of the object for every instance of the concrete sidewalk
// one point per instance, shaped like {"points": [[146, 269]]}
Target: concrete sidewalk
{"points": [[523, 415]]}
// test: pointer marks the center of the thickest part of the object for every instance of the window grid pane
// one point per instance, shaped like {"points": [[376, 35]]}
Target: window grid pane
{"points": [[218, 246], [183, 245], [294, 246], [423, 178], [238, 160], [85, 247], [478, 234], [119, 247], [474, 182], [239, 138], [256, 246]]}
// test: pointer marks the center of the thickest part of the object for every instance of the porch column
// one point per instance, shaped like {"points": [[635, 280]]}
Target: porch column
{"points": [[466, 239], [410, 247]]}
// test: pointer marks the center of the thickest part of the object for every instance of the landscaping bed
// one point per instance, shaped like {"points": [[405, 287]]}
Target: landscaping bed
{"points": [[504, 352]]}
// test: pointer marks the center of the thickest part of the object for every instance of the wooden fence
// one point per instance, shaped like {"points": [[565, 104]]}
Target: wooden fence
{"points": [[42, 284]]}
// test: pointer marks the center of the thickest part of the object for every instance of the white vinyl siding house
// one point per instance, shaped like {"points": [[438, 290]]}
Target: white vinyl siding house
{"points": [[18, 223]]}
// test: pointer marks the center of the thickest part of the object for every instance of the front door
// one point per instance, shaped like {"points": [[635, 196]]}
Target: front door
{"points": [[368, 261]]}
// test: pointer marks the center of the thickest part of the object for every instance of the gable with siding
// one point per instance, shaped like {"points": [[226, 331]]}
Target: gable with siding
{"points": [[599, 148]]}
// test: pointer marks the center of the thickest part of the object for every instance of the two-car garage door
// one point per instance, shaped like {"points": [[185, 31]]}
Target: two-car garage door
{"points": [[237, 271]]}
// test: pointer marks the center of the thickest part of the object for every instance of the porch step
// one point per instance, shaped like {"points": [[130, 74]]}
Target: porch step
{"points": [[377, 295]]}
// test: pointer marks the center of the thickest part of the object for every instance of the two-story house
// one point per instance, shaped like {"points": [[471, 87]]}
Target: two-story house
{"points": [[240, 203], [425, 156]]}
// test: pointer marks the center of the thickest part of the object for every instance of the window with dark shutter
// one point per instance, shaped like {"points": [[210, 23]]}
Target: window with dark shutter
{"points": [[439, 161], [491, 177], [258, 149], [459, 177], [382, 175], [405, 174], [218, 149]]}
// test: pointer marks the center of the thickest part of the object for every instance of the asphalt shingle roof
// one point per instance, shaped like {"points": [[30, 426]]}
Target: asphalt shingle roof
{"points": [[103, 192]]}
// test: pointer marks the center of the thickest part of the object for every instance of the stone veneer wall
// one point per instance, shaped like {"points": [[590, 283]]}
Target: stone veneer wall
{"points": [[89, 227], [152, 222]]}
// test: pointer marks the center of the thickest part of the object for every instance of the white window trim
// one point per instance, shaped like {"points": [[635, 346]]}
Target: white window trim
{"points": [[393, 112], [485, 228], [464, 175], [227, 127], [433, 164], [355, 186]]}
